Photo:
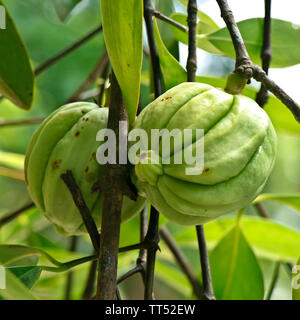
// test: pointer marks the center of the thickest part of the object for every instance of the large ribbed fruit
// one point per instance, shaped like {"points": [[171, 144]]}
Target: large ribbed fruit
{"points": [[239, 153], [66, 140]]}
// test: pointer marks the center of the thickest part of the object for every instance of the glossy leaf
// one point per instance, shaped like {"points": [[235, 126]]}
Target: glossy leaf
{"points": [[12, 160], [296, 281], [167, 7], [236, 274], [123, 34], [15, 289], [292, 200], [11, 253], [63, 8], [16, 75], [174, 73], [269, 239], [29, 275]]}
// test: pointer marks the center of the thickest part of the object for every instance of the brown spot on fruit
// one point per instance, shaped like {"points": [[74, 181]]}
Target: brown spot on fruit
{"points": [[56, 164], [93, 156], [83, 112], [206, 169], [86, 169], [166, 98], [77, 133]]}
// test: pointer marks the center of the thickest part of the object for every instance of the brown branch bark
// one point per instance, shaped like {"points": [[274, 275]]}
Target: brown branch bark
{"points": [[115, 180], [191, 65], [83, 208], [208, 291], [20, 122], [152, 236], [246, 68], [266, 54], [69, 284]]}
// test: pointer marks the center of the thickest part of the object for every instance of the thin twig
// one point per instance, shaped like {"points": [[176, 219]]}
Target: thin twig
{"points": [[164, 18], [73, 246], [19, 122], [246, 68], [152, 235], [208, 291], [130, 273], [79, 201], [273, 281], [266, 54], [191, 65], [182, 261], [148, 9], [66, 51], [11, 216], [97, 70], [262, 211]]}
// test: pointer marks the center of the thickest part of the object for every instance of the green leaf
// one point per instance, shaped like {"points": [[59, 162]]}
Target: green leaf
{"points": [[236, 274], [204, 20], [16, 75], [12, 253], [15, 289], [29, 275], [285, 39], [63, 8], [296, 281], [202, 42], [292, 200], [123, 34], [12, 160], [167, 7], [269, 239], [173, 74]]}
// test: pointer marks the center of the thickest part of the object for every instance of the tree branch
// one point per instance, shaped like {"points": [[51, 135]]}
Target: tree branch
{"points": [[182, 261], [90, 284], [19, 122], [246, 68], [66, 51], [172, 22], [191, 65], [208, 291], [83, 208], [148, 9], [11, 216], [115, 179], [266, 54], [152, 236]]}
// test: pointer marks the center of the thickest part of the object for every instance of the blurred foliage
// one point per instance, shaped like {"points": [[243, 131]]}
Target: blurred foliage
{"points": [[45, 35]]}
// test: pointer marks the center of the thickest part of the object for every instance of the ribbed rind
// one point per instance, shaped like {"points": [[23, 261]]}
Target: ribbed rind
{"points": [[66, 140], [239, 153]]}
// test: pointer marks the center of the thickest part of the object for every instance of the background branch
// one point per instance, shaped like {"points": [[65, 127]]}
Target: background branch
{"points": [[11, 216], [69, 284], [182, 261], [48, 63], [246, 68]]}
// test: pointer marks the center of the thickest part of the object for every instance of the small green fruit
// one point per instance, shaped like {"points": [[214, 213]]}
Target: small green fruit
{"points": [[66, 140], [239, 153]]}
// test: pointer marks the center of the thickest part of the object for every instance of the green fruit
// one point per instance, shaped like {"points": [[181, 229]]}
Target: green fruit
{"points": [[66, 140], [239, 153]]}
